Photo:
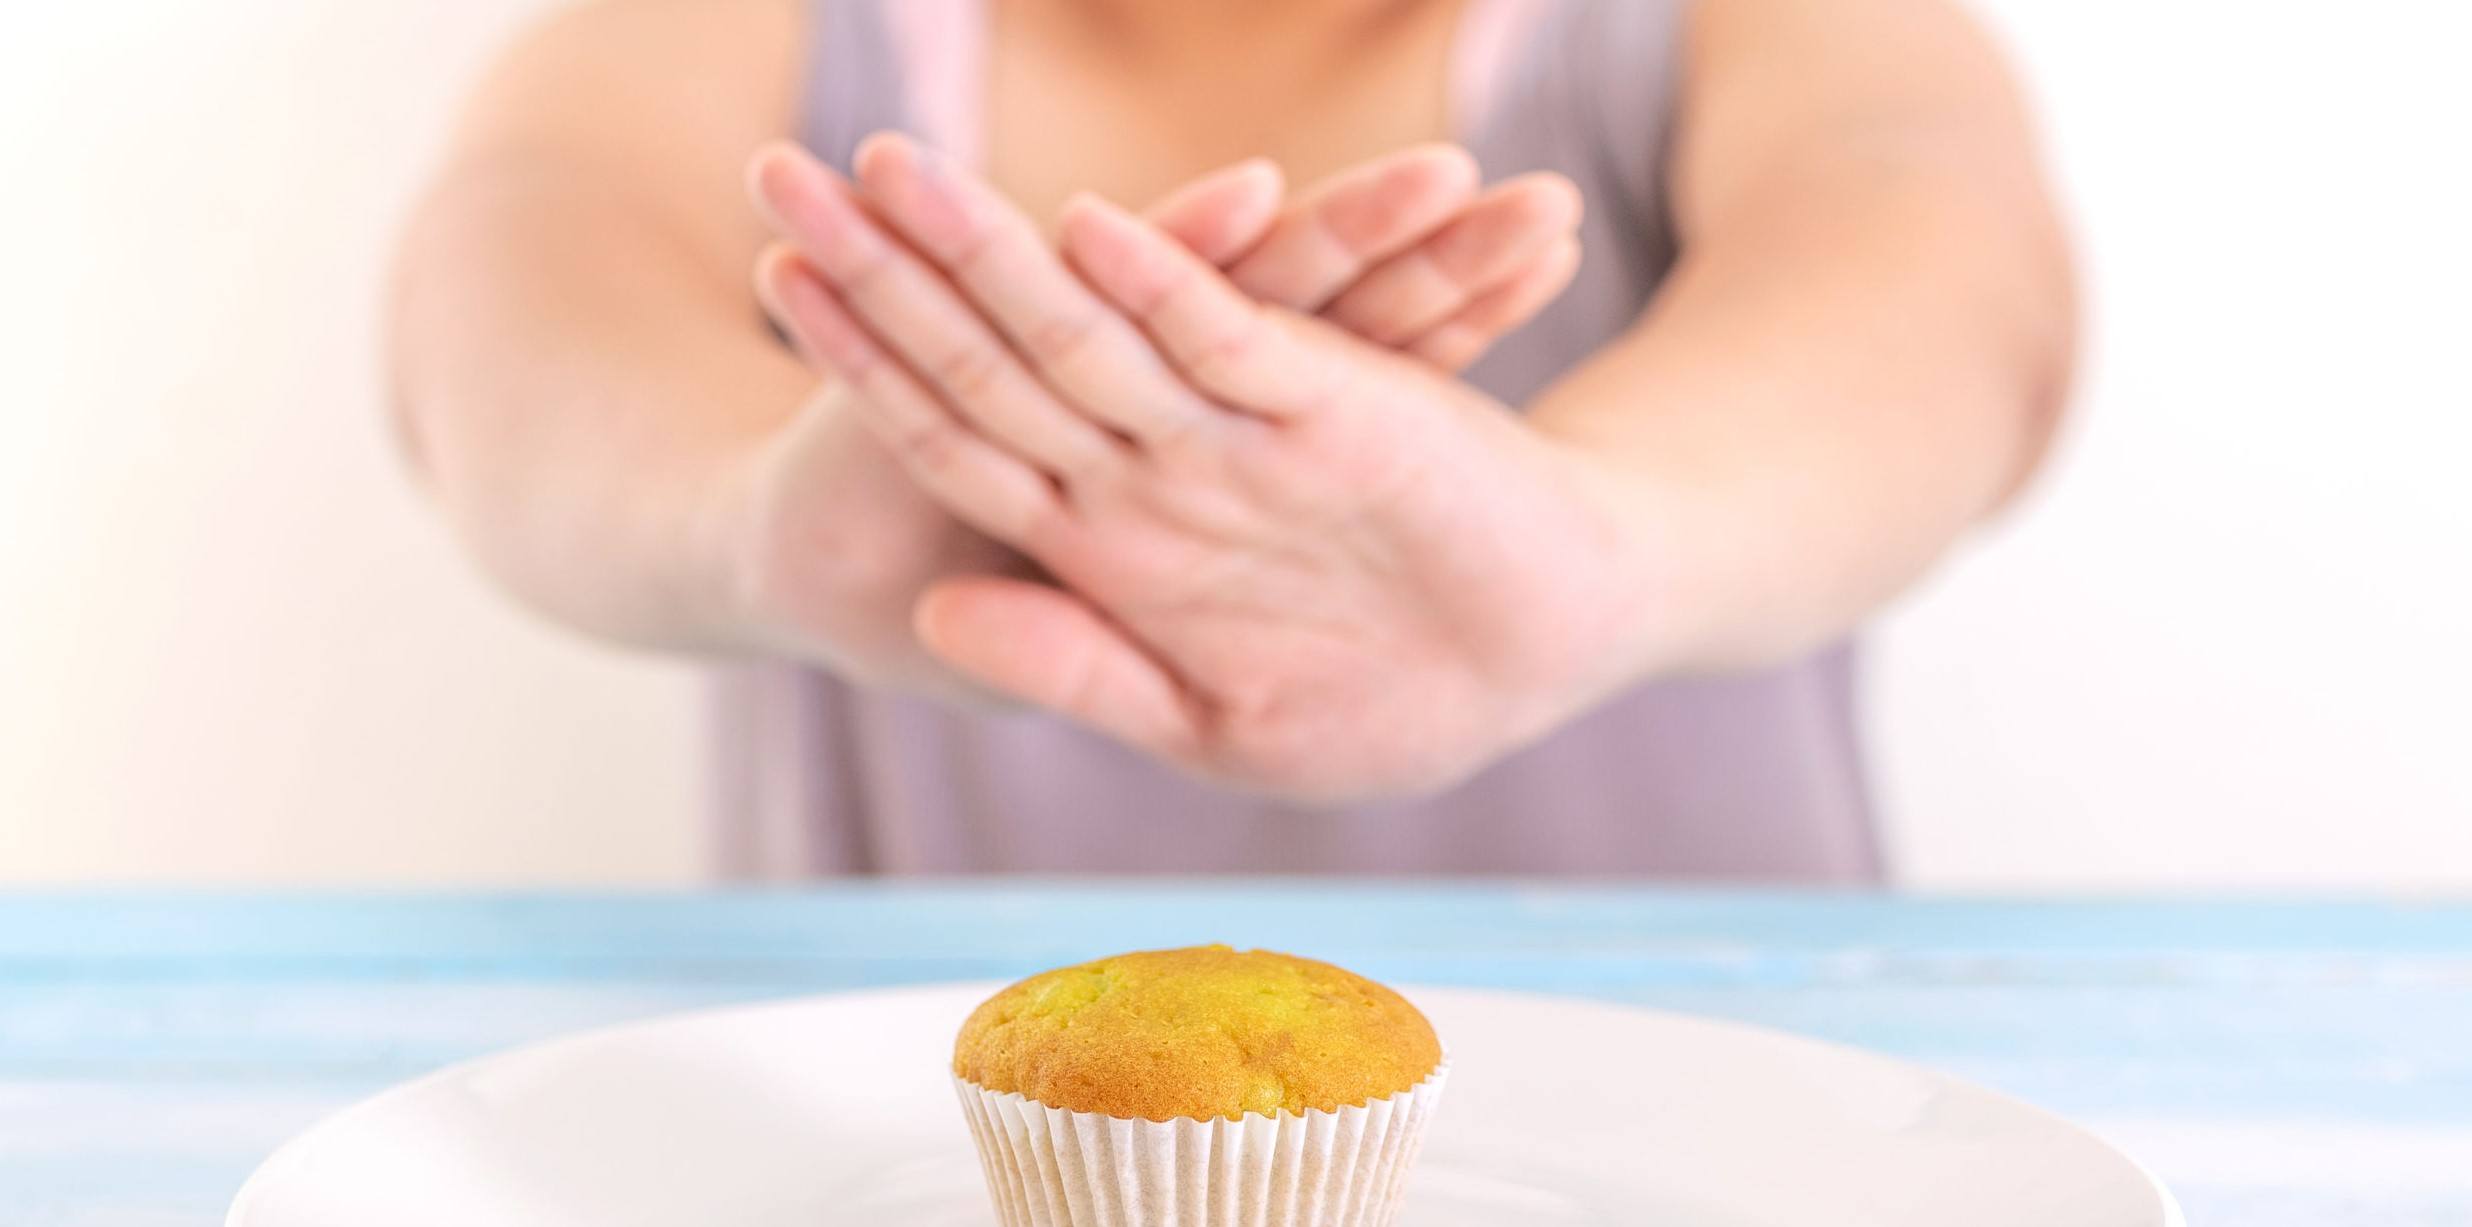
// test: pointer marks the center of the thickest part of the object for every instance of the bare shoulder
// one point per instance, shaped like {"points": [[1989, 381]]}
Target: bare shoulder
{"points": [[641, 78], [1770, 79], [646, 108], [1914, 45]]}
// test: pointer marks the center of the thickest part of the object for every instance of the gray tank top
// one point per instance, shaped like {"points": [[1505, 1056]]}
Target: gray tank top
{"points": [[1752, 776]]}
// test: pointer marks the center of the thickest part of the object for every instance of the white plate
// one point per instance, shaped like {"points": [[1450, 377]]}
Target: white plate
{"points": [[837, 1110]]}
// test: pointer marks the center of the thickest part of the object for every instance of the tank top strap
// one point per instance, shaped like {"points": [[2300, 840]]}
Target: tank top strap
{"points": [[913, 65], [1753, 775], [1584, 87], [1494, 38]]}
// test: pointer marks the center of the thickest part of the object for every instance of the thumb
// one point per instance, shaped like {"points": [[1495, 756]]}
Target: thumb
{"points": [[1050, 648]]}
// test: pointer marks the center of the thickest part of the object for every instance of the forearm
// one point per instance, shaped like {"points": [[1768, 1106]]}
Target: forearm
{"points": [[576, 388], [1858, 361]]}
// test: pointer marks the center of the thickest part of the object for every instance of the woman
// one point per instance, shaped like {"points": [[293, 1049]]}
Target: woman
{"points": [[1272, 591]]}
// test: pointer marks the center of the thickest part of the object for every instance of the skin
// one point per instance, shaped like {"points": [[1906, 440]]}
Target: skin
{"points": [[1362, 249], [1265, 545], [1280, 553], [625, 446]]}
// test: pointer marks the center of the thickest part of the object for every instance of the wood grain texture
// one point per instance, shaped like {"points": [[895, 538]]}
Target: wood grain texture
{"points": [[2275, 1062]]}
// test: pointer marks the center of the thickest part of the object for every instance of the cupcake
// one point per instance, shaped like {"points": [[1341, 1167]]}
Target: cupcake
{"points": [[1205, 1087]]}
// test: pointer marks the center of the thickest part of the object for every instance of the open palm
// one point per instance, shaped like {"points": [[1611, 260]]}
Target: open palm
{"points": [[840, 544], [1287, 558]]}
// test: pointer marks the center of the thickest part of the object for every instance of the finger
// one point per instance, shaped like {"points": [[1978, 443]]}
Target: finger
{"points": [[920, 317], [1488, 245], [980, 483], [1351, 222], [1099, 362], [1047, 647], [1456, 343], [813, 329], [1222, 215], [1247, 355]]}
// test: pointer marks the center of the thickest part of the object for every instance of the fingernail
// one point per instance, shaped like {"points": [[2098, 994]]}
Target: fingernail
{"points": [[925, 161], [1252, 168], [1091, 202], [841, 240], [931, 161], [1076, 213], [871, 146], [936, 209], [819, 324], [800, 294]]}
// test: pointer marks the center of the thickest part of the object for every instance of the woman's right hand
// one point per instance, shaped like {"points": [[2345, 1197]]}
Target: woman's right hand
{"points": [[825, 545]]}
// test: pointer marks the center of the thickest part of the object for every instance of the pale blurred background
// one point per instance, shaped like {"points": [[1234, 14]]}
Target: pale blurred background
{"points": [[2227, 645]]}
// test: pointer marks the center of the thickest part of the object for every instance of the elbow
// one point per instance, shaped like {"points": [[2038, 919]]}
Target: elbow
{"points": [[2046, 344], [403, 420], [408, 345]]}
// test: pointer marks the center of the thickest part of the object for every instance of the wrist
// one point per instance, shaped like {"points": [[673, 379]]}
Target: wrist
{"points": [[813, 547], [713, 580], [1660, 594], [1700, 575], [771, 565]]}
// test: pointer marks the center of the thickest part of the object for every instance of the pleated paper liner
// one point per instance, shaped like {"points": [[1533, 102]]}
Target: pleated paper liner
{"points": [[1047, 1167]]}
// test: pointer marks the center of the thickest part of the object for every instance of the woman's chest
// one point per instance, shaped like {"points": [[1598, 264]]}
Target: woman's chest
{"points": [[1066, 111]]}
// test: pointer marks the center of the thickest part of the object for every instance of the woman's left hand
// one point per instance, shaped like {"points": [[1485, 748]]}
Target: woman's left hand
{"points": [[1288, 559]]}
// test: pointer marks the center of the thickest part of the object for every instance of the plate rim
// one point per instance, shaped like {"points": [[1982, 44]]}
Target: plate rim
{"points": [[269, 1168]]}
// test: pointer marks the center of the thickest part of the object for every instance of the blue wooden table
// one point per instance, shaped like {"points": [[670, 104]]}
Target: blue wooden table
{"points": [[2276, 1063]]}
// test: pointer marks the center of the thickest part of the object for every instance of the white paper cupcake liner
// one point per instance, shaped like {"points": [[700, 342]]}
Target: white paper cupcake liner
{"points": [[1047, 1167]]}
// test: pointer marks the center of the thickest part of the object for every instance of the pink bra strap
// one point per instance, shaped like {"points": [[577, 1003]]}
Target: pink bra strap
{"points": [[943, 50], [1491, 35]]}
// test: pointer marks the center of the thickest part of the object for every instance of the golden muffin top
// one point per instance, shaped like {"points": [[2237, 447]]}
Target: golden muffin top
{"points": [[1202, 1032]]}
